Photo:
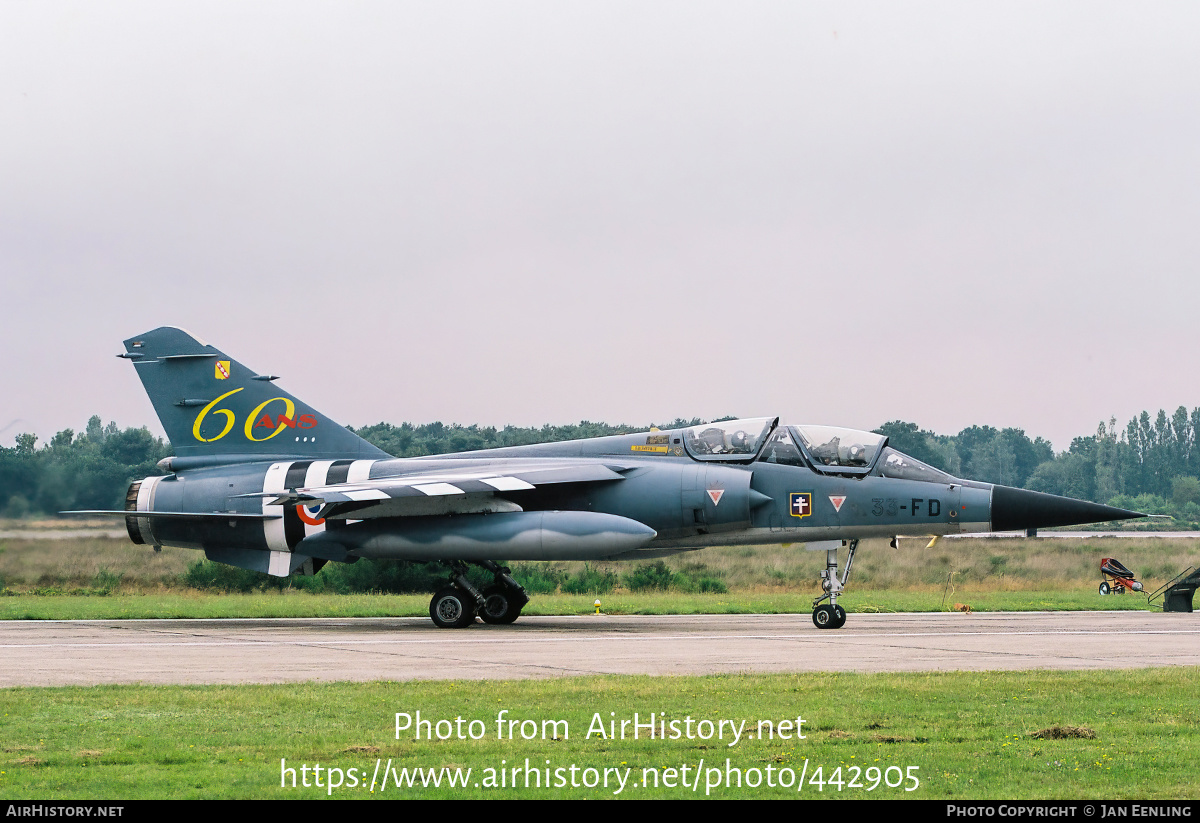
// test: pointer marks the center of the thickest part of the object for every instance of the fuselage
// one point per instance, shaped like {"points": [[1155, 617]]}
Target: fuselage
{"points": [[263, 481], [747, 498]]}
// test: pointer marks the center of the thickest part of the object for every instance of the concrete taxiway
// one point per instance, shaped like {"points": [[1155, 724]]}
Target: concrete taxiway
{"points": [[51, 653]]}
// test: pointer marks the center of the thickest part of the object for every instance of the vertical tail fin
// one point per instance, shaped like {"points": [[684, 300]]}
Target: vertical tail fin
{"points": [[216, 410]]}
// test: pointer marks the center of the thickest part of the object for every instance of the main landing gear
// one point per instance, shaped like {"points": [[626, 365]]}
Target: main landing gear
{"points": [[456, 605], [831, 615]]}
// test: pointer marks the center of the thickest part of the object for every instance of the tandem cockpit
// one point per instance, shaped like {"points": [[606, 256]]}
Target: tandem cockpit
{"points": [[824, 449]]}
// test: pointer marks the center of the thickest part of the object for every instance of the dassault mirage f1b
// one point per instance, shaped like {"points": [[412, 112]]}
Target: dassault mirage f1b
{"points": [[263, 481]]}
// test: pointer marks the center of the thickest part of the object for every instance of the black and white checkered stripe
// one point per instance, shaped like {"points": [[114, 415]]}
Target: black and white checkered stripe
{"points": [[283, 534]]}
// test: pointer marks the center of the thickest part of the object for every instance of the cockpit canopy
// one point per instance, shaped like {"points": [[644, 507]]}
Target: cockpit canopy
{"points": [[825, 449], [833, 446], [728, 438]]}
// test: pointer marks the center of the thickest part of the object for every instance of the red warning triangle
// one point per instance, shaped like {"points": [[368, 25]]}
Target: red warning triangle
{"points": [[715, 495], [837, 500]]}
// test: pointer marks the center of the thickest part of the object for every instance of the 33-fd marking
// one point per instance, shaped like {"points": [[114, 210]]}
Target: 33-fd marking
{"points": [[891, 507]]}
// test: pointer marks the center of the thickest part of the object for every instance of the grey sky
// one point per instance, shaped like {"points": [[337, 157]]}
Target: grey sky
{"points": [[948, 213]]}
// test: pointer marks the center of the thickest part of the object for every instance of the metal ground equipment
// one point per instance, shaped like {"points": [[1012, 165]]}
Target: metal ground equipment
{"points": [[1117, 578], [1177, 593]]}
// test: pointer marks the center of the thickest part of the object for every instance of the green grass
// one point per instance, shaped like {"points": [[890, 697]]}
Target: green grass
{"points": [[91, 563], [970, 735], [106, 578], [302, 604]]}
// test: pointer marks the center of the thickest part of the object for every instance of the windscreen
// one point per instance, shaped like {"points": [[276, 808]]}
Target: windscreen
{"points": [[901, 466]]}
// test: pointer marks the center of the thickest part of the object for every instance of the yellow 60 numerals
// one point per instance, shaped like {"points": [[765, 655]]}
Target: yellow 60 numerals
{"points": [[231, 419]]}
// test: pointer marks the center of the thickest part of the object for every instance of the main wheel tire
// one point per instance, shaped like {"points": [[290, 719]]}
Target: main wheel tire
{"points": [[824, 617], [839, 617], [1104, 589], [451, 608], [500, 607]]}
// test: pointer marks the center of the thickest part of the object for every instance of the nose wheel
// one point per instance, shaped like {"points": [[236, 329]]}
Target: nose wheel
{"points": [[830, 615]]}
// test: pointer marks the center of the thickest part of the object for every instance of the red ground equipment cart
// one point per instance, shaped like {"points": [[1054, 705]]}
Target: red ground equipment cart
{"points": [[1117, 578]]}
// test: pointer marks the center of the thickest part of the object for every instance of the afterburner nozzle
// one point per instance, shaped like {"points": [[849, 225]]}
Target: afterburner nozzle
{"points": [[1018, 509]]}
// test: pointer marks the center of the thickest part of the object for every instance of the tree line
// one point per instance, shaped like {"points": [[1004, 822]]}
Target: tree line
{"points": [[1151, 465], [93, 469]]}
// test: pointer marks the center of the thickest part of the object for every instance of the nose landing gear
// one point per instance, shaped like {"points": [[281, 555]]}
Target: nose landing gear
{"points": [[831, 615]]}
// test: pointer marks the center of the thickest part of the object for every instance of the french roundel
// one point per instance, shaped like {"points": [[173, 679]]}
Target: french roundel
{"points": [[309, 514]]}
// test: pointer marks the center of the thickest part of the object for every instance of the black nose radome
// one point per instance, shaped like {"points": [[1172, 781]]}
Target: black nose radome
{"points": [[1015, 509]]}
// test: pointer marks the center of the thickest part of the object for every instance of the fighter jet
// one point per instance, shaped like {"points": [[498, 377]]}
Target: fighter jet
{"points": [[263, 481]]}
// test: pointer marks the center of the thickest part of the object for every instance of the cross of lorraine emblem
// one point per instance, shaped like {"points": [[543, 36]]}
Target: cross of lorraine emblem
{"points": [[801, 503]]}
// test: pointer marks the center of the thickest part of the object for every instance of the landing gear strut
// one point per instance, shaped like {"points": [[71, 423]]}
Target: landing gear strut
{"points": [[831, 615], [500, 602], [504, 599]]}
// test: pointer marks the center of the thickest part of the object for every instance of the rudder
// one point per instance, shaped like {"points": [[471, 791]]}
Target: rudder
{"points": [[216, 410]]}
